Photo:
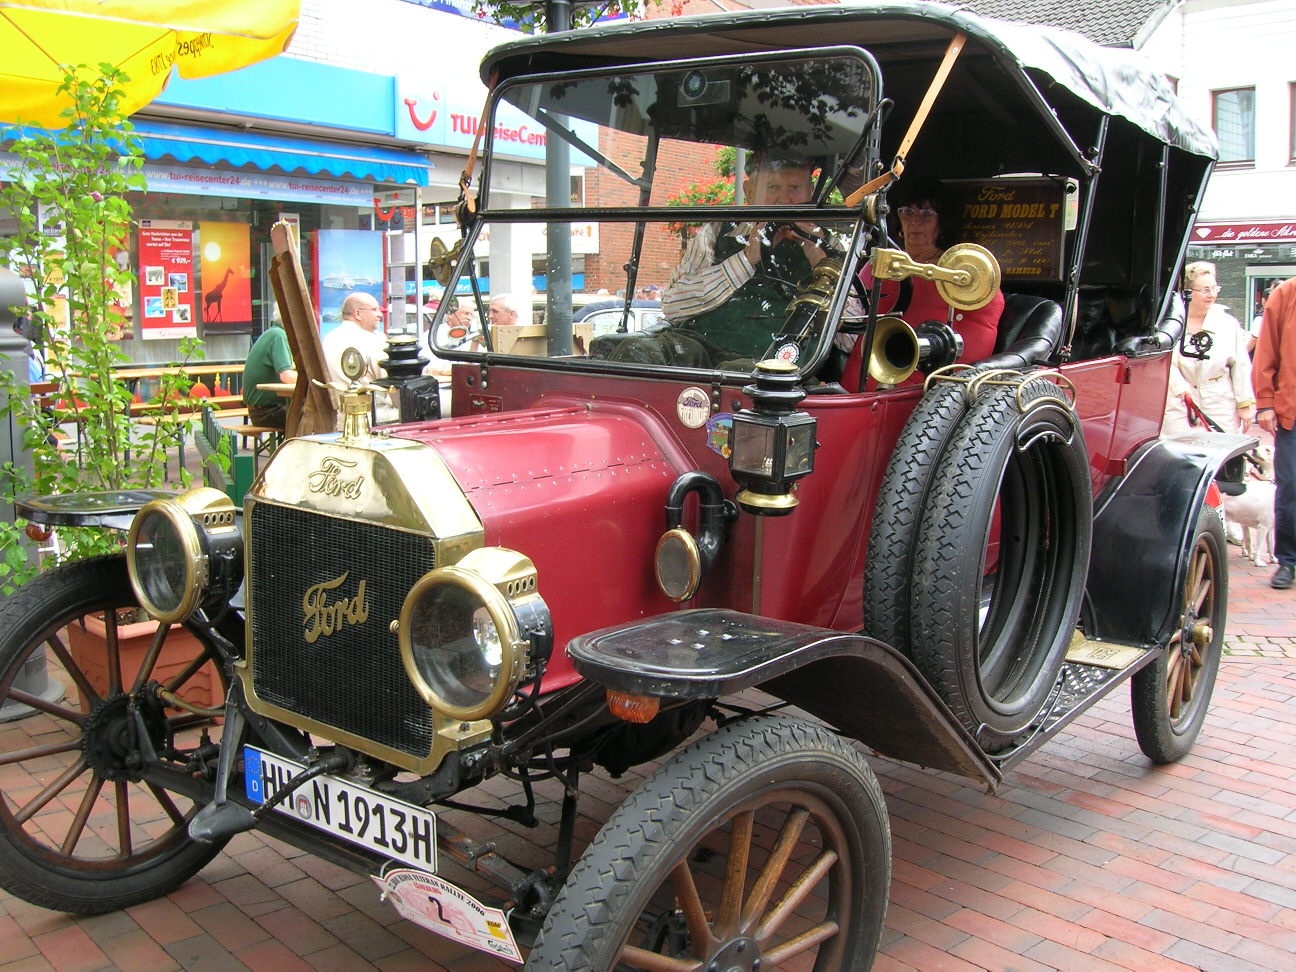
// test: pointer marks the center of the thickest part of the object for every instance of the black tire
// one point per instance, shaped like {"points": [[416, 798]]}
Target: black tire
{"points": [[69, 748], [898, 513], [991, 634], [1169, 697], [739, 789]]}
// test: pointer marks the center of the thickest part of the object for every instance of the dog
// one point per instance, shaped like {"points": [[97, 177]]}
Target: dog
{"points": [[1253, 510]]}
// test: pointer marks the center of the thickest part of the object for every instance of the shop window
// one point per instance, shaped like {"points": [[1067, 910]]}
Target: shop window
{"points": [[1291, 122], [1233, 116]]}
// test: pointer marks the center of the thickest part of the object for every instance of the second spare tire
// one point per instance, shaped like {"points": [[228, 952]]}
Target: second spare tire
{"points": [[1000, 560]]}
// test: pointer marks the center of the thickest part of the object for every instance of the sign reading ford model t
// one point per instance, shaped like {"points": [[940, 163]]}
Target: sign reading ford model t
{"points": [[614, 538]]}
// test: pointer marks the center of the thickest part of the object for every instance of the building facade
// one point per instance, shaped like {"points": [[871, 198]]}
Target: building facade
{"points": [[357, 135], [1234, 66]]}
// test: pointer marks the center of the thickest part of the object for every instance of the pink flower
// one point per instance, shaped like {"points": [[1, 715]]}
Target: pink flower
{"points": [[97, 196]]}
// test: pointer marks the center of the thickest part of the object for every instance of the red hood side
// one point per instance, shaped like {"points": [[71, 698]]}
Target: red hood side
{"points": [[579, 490]]}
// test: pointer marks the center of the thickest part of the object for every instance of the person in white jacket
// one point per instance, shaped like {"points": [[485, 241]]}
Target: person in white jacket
{"points": [[1219, 383]]}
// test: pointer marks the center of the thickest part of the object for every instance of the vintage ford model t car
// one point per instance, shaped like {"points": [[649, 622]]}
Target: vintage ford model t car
{"points": [[619, 543]]}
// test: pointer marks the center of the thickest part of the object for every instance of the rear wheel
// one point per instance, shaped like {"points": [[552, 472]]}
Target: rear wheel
{"points": [[763, 845], [1001, 558], [1169, 697], [88, 750]]}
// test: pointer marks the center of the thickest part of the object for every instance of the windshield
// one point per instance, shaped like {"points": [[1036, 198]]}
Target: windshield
{"points": [[699, 203]]}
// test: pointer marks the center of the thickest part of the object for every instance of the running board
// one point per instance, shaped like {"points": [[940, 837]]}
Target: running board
{"points": [[1092, 670]]}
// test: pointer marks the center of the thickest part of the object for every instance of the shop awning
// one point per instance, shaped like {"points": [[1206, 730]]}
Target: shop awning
{"points": [[187, 143]]}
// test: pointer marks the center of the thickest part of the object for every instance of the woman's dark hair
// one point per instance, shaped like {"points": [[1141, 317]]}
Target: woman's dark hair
{"points": [[912, 191]]}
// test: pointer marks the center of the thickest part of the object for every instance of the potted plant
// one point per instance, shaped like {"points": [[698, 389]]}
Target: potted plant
{"points": [[66, 192]]}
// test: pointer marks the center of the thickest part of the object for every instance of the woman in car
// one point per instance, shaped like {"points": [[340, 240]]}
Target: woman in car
{"points": [[928, 224]]}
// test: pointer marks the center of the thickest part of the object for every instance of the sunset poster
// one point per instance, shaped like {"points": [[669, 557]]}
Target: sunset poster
{"points": [[225, 273]]}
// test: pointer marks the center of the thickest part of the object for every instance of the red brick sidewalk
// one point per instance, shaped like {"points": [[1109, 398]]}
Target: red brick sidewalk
{"points": [[1088, 858]]}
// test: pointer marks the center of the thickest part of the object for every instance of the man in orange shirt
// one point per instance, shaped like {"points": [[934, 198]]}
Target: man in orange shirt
{"points": [[1273, 375]]}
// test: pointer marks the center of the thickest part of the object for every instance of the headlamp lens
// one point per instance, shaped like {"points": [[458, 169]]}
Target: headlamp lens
{"points": [[456, 646]]}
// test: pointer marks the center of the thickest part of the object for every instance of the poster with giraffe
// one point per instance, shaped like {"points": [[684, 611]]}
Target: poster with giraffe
{"points": [[224, 301], [166, 279]]}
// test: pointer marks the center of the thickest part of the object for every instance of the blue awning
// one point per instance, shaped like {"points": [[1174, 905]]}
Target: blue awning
{"points": [[186, 143]]}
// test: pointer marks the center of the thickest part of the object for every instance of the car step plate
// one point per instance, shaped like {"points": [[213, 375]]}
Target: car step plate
{"points": [[357, 814]]}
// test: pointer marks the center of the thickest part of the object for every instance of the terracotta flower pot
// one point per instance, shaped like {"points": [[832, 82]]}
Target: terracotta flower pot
{"points": [[89, 648]]}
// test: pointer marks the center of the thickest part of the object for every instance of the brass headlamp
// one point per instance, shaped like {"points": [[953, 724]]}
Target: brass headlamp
{"points": [[184, 552], [469, 631]]}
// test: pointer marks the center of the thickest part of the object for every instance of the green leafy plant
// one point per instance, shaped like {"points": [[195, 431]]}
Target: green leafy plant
{"points": [[66, 193]]}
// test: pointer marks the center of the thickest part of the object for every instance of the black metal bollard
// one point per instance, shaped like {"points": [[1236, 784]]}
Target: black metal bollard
{"points": [[419, 394]]}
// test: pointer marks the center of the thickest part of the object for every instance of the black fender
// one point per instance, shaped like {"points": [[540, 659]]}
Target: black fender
{"points": [[864, 688], [110, 509], [1143, 523]]}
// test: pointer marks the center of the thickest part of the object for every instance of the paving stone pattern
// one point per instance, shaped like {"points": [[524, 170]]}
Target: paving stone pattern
{"points": [[1088, 858]]}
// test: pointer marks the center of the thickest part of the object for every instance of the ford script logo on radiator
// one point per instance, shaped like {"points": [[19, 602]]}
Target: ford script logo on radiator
{"points": [[324, 616], [329, 479]]}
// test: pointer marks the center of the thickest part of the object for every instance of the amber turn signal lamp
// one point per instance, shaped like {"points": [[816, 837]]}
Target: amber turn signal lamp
{"points": [[632, 708]]}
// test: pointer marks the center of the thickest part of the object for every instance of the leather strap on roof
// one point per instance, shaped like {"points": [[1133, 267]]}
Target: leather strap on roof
{"points": [[920, 116], [467, 198]]}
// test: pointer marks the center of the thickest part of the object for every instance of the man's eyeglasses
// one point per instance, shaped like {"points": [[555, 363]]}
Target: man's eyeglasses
{"points": [[1212, 291], [912, 211]]}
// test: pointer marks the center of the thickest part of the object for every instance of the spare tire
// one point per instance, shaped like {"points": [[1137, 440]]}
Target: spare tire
{"points": [[1001, 558], [897, 515]]}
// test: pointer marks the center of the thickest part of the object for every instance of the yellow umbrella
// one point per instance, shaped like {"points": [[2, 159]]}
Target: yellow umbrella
{"points": [[144, 38]]}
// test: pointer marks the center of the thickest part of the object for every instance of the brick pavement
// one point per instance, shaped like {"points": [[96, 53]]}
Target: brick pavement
{"points": [[1088, 858]]}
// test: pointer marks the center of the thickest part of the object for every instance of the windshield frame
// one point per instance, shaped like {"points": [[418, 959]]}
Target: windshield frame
{"points": [[849, 222]]}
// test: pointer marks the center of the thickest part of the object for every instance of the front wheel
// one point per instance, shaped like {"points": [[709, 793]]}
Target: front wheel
{"points": [[763, 845], [88, 748], [1170, 696]]}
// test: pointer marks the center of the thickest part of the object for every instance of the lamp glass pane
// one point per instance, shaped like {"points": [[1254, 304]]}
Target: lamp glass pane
{"points": [[800, 449], [753, 448]]}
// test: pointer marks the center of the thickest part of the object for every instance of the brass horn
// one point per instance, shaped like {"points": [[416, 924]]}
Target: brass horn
{"points": [[441, 261], [899, 349], [894, 354]]}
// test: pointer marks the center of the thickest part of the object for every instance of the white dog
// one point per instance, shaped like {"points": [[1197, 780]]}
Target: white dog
{"points": [[1253, 512]]}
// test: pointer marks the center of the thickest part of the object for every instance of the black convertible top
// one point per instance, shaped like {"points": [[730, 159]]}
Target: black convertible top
{"points": [[1113, 81]]}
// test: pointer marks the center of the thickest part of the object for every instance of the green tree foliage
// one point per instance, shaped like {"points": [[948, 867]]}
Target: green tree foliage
{"points": [[66, 191], [534, 18], [717, 193]]}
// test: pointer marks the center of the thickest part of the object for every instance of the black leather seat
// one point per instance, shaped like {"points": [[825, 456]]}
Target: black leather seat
{"points": [[1030, 330]]}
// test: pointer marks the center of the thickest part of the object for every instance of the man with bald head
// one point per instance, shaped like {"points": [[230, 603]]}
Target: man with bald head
{"points": [[361, 328]]}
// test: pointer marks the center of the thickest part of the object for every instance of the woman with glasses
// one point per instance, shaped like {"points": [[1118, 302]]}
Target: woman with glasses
{"points": [[1216, 373], [927, 225]]}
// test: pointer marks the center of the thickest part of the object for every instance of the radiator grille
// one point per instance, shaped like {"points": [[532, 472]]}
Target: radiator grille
{"points": [[351, 679]]}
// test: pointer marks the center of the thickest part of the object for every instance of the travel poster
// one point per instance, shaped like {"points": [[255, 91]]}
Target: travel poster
{"points": [[345, 261], [166, 279], [225, 277]]}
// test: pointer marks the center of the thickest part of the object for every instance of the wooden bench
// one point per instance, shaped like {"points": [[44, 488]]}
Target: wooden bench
{"points": [[264, 440], [213, 440]]}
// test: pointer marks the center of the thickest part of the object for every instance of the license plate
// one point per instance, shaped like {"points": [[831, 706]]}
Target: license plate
{"points": [[396, 830]]}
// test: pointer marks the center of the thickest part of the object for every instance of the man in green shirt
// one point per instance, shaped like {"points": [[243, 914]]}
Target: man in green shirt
{"points": [[270, 360]]}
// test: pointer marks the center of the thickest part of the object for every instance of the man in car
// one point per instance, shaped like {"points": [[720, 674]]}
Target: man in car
{"points": [[732, 287]]}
